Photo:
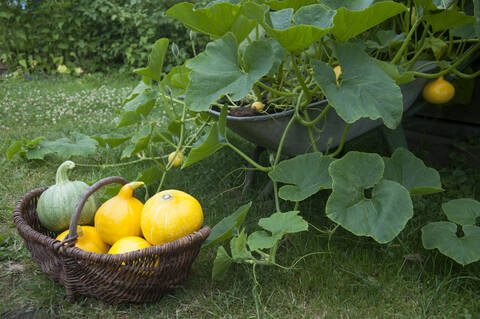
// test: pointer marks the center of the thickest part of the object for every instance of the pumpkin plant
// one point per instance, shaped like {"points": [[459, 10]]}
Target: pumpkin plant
{"points": [[285, 55]]}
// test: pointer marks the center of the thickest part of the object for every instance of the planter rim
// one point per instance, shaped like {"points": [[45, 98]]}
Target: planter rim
{"points": [[267, 117]]}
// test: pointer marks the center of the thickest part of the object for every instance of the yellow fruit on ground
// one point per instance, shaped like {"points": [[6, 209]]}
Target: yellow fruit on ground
{"points": [[169, 215], [119, 216], [88, 240], [177, 161], [438, 91], [127, 244]]}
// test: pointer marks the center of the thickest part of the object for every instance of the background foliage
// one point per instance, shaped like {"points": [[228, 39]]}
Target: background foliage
{"points": [[96, 35]]}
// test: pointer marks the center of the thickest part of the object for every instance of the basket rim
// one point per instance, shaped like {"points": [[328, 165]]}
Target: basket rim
{"points": [[26, 231]]}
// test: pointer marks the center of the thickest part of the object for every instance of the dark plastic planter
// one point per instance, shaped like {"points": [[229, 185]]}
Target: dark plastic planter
{"points": [[266, 130]]}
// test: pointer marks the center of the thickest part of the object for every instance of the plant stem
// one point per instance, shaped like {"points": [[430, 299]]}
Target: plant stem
{"points": [[451, 68], [300, 79], [406, 41], [422, 47], [282, 140], [465, 75], [274, 91], [342, 141], [249, 160], [121, 164], [316, 120], [275, 196]]}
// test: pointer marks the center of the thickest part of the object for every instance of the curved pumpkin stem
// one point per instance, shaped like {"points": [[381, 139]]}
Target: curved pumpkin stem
{"points": [[127, 190], [62, 176]]}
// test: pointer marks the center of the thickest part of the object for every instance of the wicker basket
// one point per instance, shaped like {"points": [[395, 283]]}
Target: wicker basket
{"points": [[138, 276]]}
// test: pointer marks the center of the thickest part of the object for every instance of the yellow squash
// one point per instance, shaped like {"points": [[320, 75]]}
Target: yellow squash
{"points": [[176, 160], [119, 216], [127, 244], [438, 91], [169, 215], [88, 240]]}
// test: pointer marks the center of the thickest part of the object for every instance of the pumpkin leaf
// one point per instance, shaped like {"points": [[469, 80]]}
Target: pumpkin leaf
{"points": [[16, 147], [238, 246], [216, 71], [308, 174], [395, 72], [284, 4], [410, 171], [294, 32], [215, 20], [151, 175], [448, 19], [206, 146], [80, 145], [380, 96], [261, 240], [176, 80], [223, 230], [462, 211], [138, 142], [155, 60], [221, 264], [381, 215], [141, 104], [110, 140], [443, 236], [355, 17], [280, 224], [438, 46]]}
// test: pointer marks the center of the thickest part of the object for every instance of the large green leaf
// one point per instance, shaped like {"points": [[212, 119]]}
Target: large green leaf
{"points": [[294, 32], [155, 61], [216, 71], [151, 175], [138, 142], [238, 246], [206, 146], [224, 229], [80, 145], [140, 105], [308, 174], [365, 91], [448, 19], [463, 211], [177, 80], [280, 224], [348, 22], [443, 236], [385, 39], [410, 171], [261, 240], [216, 20], [394, 71], [433, 5], [381, 216], [221, 264], [110, 140], [284, 4]]}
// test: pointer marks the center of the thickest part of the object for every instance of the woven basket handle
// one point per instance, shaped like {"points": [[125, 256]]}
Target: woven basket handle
{"points": [[72, 235]]}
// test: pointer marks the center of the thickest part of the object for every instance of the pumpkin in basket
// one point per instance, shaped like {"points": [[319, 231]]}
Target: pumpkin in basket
{"points": [[170, 215], [87, 240], [127, 244], [56, 205], [119, 216]]}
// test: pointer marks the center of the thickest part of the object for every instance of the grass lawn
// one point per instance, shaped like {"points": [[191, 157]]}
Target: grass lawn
{"points": [[355, 278]]}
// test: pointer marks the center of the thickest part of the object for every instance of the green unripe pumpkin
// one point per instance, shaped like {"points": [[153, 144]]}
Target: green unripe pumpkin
{"points": [[56, 205]]}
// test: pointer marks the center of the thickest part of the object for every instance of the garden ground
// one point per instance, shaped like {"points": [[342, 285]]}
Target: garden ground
{"points": [[353, 277]]}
